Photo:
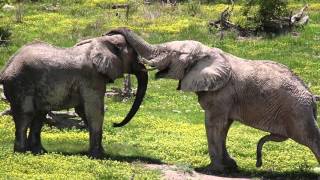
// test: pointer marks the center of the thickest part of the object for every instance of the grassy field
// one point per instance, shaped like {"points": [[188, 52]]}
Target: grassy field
{"points": [[169, 127]]}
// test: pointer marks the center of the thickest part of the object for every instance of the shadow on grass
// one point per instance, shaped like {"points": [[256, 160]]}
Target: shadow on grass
{"points": [[130, 154], [242, 173], [116, 157]]}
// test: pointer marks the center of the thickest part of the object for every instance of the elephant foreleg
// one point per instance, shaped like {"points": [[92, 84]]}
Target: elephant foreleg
{"points": [[34, 137], [217, 129], [94, 112], [264, 139]]}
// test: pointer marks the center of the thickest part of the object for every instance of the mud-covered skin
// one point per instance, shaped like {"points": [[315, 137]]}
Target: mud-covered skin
{"points": [[261, 94], [40, 78]]}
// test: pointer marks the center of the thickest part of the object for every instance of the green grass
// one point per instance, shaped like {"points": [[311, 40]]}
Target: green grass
{"points": [[169, 126]]}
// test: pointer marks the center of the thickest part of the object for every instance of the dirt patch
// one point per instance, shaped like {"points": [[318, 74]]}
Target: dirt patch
{"points": [[171, 172]]}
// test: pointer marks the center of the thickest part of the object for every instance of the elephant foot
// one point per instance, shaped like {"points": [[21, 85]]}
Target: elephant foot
{"points": [[38, 150], [96, 153], [228, 165], [19, 148], [35, 148]]}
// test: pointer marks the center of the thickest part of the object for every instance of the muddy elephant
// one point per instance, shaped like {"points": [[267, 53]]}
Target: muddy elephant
{"points": [[262, 94], [41, 78]]}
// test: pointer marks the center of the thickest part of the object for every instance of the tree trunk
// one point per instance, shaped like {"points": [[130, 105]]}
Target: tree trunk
{"points": [[127, 88], [19, 11]]}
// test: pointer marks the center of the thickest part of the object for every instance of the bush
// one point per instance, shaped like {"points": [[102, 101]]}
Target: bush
{"points": [[3, 2], [266, 15]]}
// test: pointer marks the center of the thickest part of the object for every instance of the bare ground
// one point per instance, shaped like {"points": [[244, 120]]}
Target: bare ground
{"points": [[171, 172]]}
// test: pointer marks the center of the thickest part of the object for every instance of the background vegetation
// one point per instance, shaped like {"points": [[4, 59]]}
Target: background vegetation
{"points": [[169, 127]]}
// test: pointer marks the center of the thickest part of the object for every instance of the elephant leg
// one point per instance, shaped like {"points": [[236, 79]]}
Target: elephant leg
{"points": [[94, 112], [217, 127], [264, 139], [34, 138], [80, 111], [313, 139], [314, 146], [307, 134], [22, 122]]}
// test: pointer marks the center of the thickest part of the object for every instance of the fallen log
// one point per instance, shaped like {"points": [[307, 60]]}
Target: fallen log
{"points": [[120, 6], [60, 120], [65, 121], [276, 25], [70, 119]]}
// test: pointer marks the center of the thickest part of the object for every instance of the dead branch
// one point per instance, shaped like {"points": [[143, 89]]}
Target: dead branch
{"points": [[224, 23], [301, 18]]}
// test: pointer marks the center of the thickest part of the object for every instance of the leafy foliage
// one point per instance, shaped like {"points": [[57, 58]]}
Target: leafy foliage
{"points": [[263, 14], [3, 2]]}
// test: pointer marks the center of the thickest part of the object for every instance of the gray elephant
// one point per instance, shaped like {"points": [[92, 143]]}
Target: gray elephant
{"points": [[41, 78], [262, 94]]}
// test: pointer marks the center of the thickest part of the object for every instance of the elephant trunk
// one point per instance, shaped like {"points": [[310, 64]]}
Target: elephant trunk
{"points": [[142, 78], [142, 47]]}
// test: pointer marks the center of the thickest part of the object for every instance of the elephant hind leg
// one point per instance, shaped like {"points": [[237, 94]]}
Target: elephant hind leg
{"points": [[264, 139], [308, 134], [22, 122], [313, 141]]}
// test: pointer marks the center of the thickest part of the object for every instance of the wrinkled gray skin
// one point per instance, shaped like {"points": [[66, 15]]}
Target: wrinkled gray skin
{"points": [[41, 78], [262, 94]]}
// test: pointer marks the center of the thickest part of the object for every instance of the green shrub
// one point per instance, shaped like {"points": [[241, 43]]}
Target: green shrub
{"points": [[3, 2], [262, 14]]}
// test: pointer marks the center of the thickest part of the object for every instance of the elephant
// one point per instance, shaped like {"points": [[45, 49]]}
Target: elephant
{"points": [[40, 78], [259, 93]]}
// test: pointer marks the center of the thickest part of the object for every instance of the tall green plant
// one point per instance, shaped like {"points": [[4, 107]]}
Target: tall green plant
{"points": [[193, 7]]}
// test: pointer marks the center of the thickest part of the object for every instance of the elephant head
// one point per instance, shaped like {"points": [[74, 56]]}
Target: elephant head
{"points": [[112, 56], [197, 67]]}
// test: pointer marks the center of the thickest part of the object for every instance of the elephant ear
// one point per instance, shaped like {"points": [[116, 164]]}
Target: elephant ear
{"points": [[207, 74], [105, 55]]}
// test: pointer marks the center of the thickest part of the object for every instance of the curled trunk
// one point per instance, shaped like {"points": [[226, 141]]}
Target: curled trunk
{"points": [[142, 47], [142, 78]]}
